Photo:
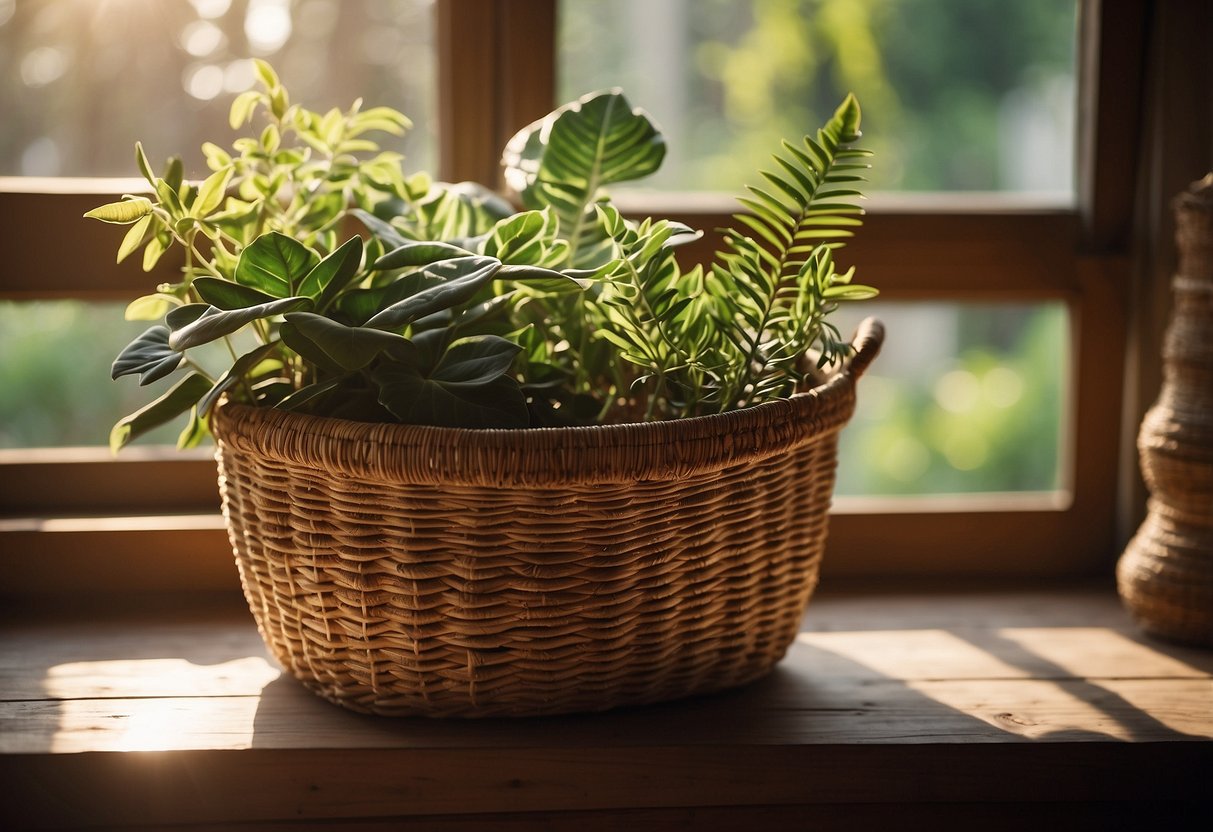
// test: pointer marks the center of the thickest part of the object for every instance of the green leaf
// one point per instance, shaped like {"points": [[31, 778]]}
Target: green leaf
{"points": [[544, 280], [151, 254], [304, 396], [240, 367], [215, 323], [242, 108], [180, 398], [149, 355], [211, 193], [121, 213], [520, 239], [417, 400], [850, 292], [333, 273], [224, 294], [174, 173], [358, 305], [145, 167], [564, 159], [266, 73], [418, 254], [350, 348], [150, 307], [275, 264], [461, 279], [134, 237], [476, 360], [196, 430], [385, 231]]}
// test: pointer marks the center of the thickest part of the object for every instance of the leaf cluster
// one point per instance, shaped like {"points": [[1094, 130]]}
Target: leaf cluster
{"points": [[343, 287]]}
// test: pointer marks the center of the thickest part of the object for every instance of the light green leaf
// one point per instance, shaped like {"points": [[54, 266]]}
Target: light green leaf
{"points": [[195, 431], [242, 108], [152, 254], [275, 264], [127, 211], [850, 292], [150, 307], [134, 238], [145, 167], [211, 193]]}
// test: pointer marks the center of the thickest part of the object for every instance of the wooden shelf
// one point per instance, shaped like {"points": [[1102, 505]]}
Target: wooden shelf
{"points": [[932, 708]]}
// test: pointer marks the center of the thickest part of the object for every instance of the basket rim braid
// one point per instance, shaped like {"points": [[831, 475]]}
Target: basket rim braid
{"points": [[665, 450]]}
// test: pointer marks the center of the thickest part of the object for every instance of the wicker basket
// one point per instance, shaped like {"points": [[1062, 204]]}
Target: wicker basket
{"points": [[404, 570]]}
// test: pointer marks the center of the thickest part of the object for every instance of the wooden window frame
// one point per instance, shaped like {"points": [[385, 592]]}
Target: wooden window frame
{"points": [[497, 72]]}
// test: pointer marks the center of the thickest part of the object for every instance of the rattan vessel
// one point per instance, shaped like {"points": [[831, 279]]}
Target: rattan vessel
{"points": [[403, 570]]}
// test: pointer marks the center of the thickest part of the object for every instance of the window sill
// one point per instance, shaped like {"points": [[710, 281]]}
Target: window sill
{"points": [[890, 706]]}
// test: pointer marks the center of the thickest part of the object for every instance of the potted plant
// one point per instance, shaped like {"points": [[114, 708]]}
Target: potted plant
{"points": [[481, 460]]}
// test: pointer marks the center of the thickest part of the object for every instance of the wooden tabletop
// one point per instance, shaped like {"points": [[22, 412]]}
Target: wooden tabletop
{"points": [[893, 700]]}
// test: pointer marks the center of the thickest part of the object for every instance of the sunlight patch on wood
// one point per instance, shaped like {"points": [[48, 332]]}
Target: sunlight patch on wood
{"points": [[182, 719]]}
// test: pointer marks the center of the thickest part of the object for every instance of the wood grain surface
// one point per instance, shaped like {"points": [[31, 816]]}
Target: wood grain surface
{"points": [[891, 700]]}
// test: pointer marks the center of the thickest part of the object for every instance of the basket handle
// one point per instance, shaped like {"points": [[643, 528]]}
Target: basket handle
{"points": [[866, 343]]}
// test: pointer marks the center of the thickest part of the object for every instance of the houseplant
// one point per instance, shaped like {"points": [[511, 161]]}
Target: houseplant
{"points": [[488, 461]]}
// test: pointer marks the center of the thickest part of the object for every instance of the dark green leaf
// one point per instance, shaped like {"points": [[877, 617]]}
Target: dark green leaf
{"points": [[234, 374], [417, 400], [333, 273], [461, 278], [476, 360], [149, 355], [351, 348], [223, 294], [385, 231], [305, 396], [358, 305], [180, 398], [418, 254], [215, 323]]}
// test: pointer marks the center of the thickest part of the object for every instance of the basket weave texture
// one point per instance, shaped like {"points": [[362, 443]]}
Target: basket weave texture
{"points": [[404, 570]]}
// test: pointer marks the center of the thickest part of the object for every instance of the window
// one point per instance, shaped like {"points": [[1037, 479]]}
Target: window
{"points": [[496, 69]]}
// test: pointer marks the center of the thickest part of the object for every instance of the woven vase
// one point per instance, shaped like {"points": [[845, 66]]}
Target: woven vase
{"points": [[1166, 573], [403, 570]]}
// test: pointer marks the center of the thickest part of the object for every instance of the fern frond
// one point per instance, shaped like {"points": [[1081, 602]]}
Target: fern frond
{"points": [[780, 251]]}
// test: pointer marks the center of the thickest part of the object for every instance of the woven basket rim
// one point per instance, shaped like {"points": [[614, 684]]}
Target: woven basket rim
{"points": [[388, 452]]}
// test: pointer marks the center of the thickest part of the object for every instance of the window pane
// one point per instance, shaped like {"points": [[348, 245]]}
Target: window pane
{"points": [[82, 80], [55, 389], [964, 95], [964, 398]]}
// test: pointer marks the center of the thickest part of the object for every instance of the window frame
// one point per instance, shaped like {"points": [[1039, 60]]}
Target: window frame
{"points": [[496, 72]]}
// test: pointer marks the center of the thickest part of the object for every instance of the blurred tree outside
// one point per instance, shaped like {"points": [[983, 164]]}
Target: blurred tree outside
{"points": [[958, 95]]}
